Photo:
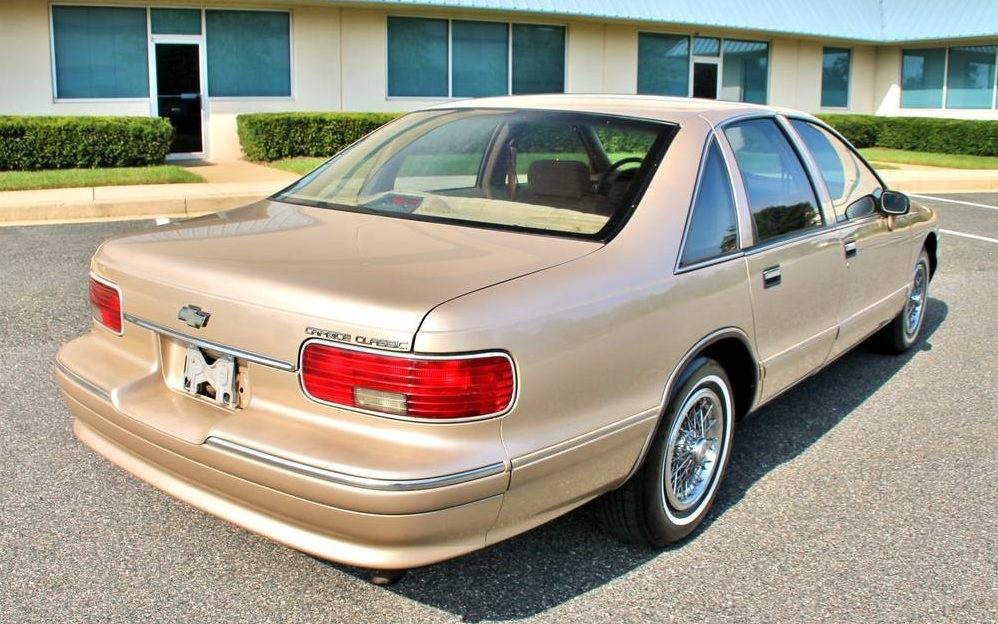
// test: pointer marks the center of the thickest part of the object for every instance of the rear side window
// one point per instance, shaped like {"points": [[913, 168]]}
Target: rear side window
{"points": [[848, 179], [780, 194], [713, 230]]}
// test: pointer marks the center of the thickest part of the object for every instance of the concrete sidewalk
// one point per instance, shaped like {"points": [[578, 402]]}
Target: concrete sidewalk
{"points": [[227, 185]]}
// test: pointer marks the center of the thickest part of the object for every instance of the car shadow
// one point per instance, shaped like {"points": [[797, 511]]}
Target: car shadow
{"points": [[572, 555]]}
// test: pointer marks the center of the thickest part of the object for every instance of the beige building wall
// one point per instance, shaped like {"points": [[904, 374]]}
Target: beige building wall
{"points": [[339, 64]]}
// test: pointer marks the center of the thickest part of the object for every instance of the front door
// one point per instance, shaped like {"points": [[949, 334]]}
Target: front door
{"points": [[178, 88], [705, 79]]}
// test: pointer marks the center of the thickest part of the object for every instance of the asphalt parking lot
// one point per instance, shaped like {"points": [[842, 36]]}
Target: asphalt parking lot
{"points": [[868, 493]]}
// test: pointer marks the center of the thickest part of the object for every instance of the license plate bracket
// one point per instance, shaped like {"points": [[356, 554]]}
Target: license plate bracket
{"points": [[212, 378]]}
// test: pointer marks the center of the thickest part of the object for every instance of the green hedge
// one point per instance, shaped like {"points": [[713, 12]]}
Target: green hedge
{"points": [[270, 136], [919, 134], [29, 143]]}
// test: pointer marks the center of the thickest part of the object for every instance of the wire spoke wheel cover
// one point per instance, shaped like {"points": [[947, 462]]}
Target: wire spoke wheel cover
{"points": [[696, 447], [915, 305]]}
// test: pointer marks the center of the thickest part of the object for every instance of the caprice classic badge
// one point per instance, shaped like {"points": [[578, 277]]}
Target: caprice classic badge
{"points": [[550, 299]]}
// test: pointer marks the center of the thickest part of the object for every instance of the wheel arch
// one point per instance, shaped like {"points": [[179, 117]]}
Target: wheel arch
{"points": [[731, 348], [931, 246]]}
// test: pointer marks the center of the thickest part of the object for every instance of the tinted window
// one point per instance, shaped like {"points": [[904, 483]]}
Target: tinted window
{"points": [[249, 53], [845, 175], [663, 64], [835, 77], [538, 59], [745, 74], [513, 169], [100, 52], [779, 192], [713, 230], [417, 57], [970, 80], [480, 62], [922, 76]]}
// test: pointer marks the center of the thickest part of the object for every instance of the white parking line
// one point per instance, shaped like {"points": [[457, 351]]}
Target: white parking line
{"points": [[953, 201], [973, 236]]}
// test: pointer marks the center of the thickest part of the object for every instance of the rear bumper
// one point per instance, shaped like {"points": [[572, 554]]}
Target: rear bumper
{"points": [[393, 523]]}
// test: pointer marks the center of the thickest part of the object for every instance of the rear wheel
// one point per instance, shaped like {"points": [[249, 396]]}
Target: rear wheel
{"points": [[676, 485], [903, 332]]}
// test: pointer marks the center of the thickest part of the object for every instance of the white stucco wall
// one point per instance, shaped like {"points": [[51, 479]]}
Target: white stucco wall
{"points": [[339, 64]]}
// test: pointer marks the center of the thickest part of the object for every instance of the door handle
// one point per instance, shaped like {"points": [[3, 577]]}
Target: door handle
{"points": [[850, 247], [772, 276]]}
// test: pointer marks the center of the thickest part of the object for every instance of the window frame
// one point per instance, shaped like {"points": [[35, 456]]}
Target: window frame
{"points": [[450, 54], [151, 39], [719, 60], [821, 91], [711, 140]]}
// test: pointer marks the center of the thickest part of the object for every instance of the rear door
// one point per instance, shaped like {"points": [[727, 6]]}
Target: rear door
{"points": [[795, 266], [874, 254]]}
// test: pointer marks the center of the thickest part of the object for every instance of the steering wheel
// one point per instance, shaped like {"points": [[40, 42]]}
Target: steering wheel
{"points": [[615, 167]]}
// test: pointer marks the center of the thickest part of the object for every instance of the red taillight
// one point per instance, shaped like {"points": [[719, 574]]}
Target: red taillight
{"points": [[105, 302], [438, 388]]}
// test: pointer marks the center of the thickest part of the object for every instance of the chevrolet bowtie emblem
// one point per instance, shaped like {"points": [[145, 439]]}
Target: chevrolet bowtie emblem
{"points": [[194, 316]]}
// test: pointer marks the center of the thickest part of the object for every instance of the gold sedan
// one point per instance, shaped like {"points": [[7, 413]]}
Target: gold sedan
{"points": [[486, 314]]}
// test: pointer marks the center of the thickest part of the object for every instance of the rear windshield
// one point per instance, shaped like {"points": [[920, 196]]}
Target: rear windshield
{"points": [[540, 171]]}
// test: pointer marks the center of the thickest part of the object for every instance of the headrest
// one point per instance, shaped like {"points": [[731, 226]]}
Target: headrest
{"points": [[560, 178]]}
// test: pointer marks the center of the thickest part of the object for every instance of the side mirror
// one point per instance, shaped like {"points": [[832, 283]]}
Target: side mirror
{"points": [[894, 203]]}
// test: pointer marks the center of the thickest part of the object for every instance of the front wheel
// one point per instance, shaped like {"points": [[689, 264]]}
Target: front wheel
{"points": [[903, 332], [676, 485]]}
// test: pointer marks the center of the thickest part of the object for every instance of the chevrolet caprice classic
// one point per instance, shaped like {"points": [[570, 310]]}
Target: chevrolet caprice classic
{"points": [[486, 314]]}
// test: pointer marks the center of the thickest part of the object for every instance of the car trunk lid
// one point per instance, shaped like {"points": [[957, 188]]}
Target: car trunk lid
{"points": [[268, 272]]}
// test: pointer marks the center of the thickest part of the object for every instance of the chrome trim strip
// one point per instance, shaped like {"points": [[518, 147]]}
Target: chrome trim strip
{"points": [[207, 344], [410, 356], [367, 483], [84, 383]]}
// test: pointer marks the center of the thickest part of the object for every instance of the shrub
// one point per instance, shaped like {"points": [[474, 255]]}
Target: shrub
{"points": [[861, 130], [919, 134], [270, 136], [28, 143]]}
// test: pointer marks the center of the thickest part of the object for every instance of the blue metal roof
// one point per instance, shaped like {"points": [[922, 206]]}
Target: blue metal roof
{"points": [[883, 21]]}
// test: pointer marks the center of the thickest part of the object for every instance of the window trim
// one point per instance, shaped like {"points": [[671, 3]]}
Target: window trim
{"points": [[450, 97], [680, 266], [719, 59], [150, 54], [849, 80]]}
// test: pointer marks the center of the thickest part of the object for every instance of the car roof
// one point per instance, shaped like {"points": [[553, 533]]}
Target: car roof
{"points": [[662, 108]]}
